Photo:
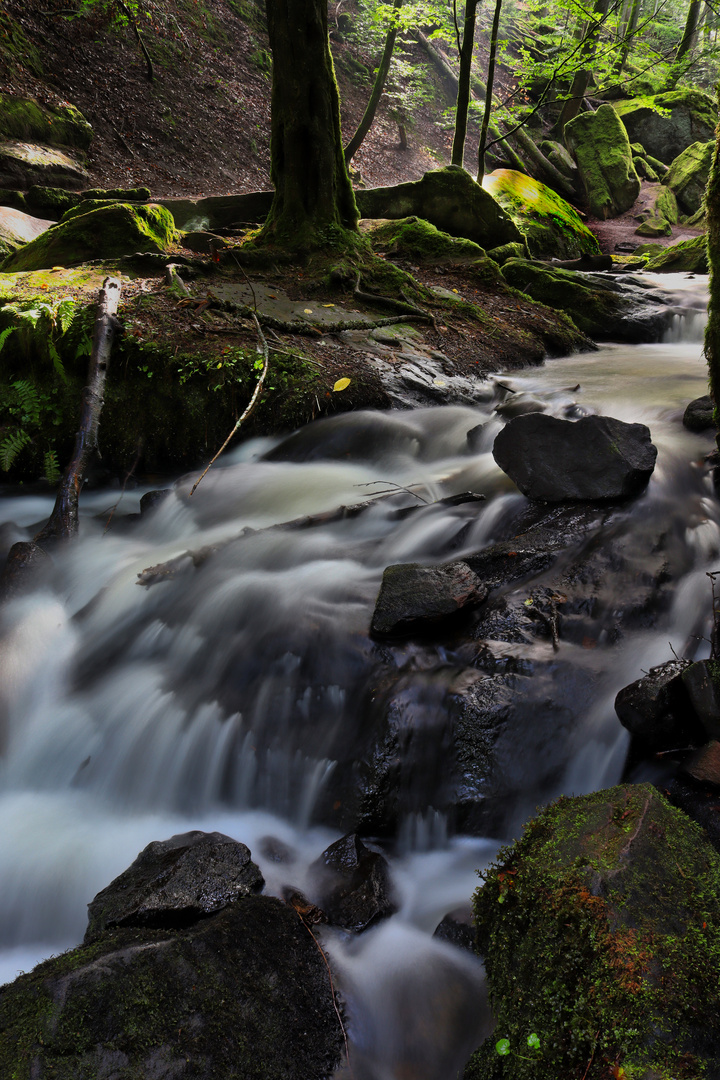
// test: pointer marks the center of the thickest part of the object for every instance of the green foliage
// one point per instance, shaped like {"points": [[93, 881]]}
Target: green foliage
{"points": [[11, 446]]}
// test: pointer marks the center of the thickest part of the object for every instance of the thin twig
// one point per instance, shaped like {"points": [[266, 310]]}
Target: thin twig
{"points": [[124, 484], [332, 987], [251, 404]]}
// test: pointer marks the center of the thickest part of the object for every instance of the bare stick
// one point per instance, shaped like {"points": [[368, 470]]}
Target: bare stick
{"points": [[251, 404], [63, 522]]}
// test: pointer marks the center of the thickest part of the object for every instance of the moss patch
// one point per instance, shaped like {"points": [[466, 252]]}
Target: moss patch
{"points": [[602, 151], [59, 125], [600, 930], [689, 256], [688, 176], [550, 225], [413, 238]]}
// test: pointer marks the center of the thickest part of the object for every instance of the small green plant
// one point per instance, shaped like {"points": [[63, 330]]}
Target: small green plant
{"points": [[51, 319], [503, 1048]]}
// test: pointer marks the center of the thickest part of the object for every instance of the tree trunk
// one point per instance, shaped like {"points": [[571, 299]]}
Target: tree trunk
{"points": [[712, 332], [581, 79], [489, 98], [691, 27], [463, 92], [629, 29], [63, 522], [313, 198], [378, 86]]}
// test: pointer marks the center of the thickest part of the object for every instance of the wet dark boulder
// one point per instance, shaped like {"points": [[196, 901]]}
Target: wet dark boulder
{"points": [[353, 884], [656, 710], [699, 414], [175, 882], [413, 596], [594, 458], [600, 931], [241, 994], [702, 684]]}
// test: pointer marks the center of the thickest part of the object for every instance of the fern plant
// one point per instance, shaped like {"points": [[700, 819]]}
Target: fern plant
{"points": [[11, 446]]}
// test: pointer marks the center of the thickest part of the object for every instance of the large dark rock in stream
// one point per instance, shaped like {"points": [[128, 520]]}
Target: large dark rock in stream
{"points": [[600, 930], [175, 882], [595, 458], [241, 993], [699, 414], [657, 710], [413, 596], [353, 883]]}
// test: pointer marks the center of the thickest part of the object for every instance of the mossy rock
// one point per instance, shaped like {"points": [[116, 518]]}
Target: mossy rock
{"points": [[688, 175], [654, 226], [104, 233], [596, 308], [449, 199], [602, 151], [689, 256], [644, 170], [13, 198], [50, 202], [550, 225], [665, 206], [242, 995], [501, 254], [54, 125], [413, 238], [687, 116], [600, 931], [138, 194], [24, 163]]}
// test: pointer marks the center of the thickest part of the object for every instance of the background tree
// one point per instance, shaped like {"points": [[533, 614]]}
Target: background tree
{"points": [[314, 200]]}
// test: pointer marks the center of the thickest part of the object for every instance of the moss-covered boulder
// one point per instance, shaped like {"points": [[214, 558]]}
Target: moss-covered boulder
{"points": [[687, 177], [23, 164], [688, 256], [449, 199], [103, 233], [654, 226], [17, 228], [415, 239], [667, 123], [602, 151], [550, 225], [644, 169], [50, 202], [665, 205], [54, 125], [241, 993], [600, 930], [598, 306]]}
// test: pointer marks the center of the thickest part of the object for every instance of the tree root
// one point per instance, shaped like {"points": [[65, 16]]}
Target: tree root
{"points": [[405, 307]]}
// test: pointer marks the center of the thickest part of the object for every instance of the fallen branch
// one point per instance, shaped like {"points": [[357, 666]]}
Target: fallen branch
{"points": [[138, 37], [63, 522], [251, 404]]}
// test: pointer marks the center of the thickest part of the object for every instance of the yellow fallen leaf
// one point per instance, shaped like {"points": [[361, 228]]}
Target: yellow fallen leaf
{"points": [[308, 310], [341, 384], [439, 382], [454, 290], [57, 269], [328, 305]]}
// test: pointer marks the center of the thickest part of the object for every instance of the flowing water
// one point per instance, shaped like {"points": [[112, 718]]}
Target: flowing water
{"points": [[217, 699]]}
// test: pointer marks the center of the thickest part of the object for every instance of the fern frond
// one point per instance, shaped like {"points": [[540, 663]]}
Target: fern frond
{"points": [[52, 468], [11, 446], [65, 313], [57, 362], [28, 399], [5, 334]]}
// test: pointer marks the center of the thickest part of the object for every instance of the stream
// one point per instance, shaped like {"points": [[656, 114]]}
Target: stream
{"points": [[232, 697]]}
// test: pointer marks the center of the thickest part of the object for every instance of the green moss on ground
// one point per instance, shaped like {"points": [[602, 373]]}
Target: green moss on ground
{"points": [[690, 256], [600, 930], [414, 238]]}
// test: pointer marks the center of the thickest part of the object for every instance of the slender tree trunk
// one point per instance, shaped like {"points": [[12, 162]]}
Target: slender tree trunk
{"points": [[628, 33], [313, 194], [712, 332], [63, 522], [463, 93], [691, 27], [488, 99], [378, 86], [581, 79]]}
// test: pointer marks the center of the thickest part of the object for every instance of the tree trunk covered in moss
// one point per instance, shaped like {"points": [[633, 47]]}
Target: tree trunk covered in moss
{"points": [[712, 332], [581, 79], [489, 98], [313, 194], [463, 92], [691, 28]]}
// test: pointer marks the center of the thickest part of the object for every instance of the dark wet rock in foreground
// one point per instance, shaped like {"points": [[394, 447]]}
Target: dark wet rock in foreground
{"points": [[656, 710], [241, 994], [175, 882], [353, 883], [699, 414], [412, 596], [594, 458]]}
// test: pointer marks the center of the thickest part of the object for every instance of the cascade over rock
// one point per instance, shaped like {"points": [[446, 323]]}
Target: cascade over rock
{"points": [[596, 457], [602, 151]]}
